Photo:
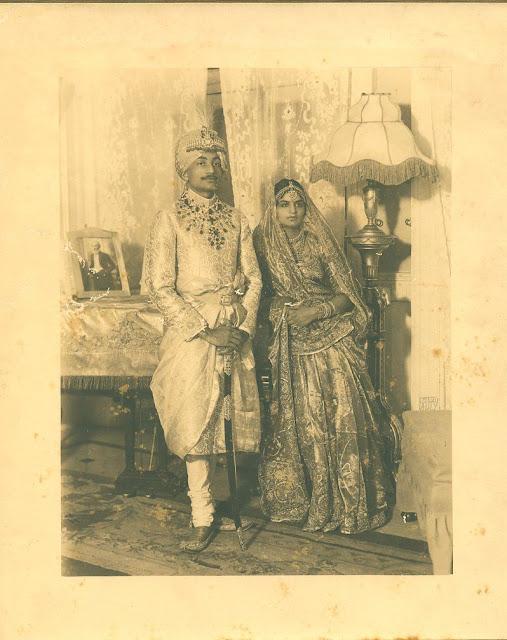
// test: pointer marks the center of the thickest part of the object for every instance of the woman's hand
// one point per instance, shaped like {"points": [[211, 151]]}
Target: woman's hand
{"points": [[302, 315]]}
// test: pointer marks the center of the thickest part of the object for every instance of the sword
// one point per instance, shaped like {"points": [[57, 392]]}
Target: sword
{"points": [[229, 449]]}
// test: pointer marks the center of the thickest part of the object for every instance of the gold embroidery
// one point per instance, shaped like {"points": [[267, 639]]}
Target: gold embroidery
{"points": [[323, 453]]}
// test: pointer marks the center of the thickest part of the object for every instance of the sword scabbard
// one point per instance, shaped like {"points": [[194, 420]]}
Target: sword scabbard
{"points": [[229, 448]]}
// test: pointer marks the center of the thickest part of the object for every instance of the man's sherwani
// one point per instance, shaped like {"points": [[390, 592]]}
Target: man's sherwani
{"points": [[197, 256]]}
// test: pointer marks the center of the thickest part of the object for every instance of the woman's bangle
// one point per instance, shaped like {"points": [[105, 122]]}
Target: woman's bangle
{"points": [[325, 310], [331, 308], [319, 311]]}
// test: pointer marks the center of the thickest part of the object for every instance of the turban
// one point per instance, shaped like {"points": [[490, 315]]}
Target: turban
{"points": [[191, 144]]}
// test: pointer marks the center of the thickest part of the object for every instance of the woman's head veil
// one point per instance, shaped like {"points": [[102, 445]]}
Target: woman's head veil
{"points": [[286, 276]]}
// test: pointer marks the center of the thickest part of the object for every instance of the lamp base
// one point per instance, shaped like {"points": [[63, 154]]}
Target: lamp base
{"points": [[371, 242]]}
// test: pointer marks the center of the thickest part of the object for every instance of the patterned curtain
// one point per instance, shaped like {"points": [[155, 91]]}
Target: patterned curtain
{"points": [[278, 123], [117, 149]]}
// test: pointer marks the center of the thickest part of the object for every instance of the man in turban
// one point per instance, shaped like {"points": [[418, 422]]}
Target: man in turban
{"points": [[202, 274]]}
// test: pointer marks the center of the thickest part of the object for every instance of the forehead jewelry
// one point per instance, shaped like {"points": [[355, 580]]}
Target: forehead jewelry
{"points": [[292, 192], [292, 195]]}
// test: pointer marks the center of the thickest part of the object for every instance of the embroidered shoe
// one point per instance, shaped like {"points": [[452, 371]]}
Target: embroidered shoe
{"points": [[201, 537]]}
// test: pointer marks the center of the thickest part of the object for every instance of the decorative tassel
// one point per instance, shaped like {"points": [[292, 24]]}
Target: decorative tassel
{"points": [[105, 383], [373, 170]]}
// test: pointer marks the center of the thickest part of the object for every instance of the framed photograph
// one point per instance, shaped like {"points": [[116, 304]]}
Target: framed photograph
{"points": [[98, 268]]}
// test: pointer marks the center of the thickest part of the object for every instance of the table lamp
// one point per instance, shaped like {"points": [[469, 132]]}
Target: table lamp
{"points": [[376, 148]]}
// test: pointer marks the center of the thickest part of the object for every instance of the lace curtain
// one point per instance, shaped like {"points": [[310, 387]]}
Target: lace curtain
{"points": [[278, 122], [118, 131]]}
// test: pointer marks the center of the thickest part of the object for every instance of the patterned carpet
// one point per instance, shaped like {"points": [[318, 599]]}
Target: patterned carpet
{"points": [[141, 536]]}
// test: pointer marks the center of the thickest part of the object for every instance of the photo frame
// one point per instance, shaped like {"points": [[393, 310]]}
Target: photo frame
{"points": [[97, 264]]}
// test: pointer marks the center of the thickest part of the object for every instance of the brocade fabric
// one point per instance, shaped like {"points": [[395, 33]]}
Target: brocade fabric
{"points": [[322, 457], [197, 256]]}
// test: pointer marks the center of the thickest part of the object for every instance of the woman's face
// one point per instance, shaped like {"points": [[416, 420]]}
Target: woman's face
{"points": [[290, 212]]}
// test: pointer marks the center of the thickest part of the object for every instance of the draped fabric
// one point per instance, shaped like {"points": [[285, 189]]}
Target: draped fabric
{"points": [[119, 130], [279, 122], [425, 481], [107, 340], [322, 454]]}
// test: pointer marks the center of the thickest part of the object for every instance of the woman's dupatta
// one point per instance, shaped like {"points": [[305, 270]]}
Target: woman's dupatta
{"points": [[281, 470]]}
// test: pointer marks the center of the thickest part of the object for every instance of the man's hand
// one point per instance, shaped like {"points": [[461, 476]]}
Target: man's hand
{"points": [[301, 315], [229, 350], [226, 338]]}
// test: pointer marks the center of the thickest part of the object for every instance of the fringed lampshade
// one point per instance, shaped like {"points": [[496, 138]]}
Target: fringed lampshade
{"points": [[374, 147], [374, 144]]}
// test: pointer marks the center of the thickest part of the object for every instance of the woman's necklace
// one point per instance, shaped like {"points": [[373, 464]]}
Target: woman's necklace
{"points": [[297, 245]]}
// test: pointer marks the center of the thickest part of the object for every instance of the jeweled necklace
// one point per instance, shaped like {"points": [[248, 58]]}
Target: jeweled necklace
{"points": [[297, 244], [213, 220]]}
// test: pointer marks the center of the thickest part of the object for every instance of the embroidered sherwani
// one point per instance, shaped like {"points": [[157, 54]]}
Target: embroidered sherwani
{"points": [[198, 255]]}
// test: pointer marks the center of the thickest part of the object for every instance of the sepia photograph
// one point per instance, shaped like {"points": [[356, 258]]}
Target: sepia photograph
{"points": [[253, 331], [255, 357]]}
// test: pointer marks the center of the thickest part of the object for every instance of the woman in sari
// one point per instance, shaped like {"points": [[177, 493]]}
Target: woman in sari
{"points": [[322, 460]]}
